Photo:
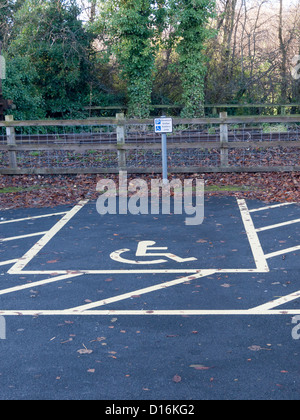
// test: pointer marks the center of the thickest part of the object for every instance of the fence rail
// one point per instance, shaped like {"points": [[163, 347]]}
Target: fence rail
{"points": [[106, 145], [210, 109]]}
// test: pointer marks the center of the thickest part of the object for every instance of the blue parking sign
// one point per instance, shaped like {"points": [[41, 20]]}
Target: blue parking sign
{"points": [[163, 125]]}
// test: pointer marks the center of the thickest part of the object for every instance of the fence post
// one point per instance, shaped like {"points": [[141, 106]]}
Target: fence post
{"points": [[121, 141], [224, 139], [11, 141]]}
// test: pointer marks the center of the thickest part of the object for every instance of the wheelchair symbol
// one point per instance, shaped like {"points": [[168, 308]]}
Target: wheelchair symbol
{"points": [[145, 249]]}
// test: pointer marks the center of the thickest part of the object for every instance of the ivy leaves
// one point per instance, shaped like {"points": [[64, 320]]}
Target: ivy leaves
{"points": [[190, 20], [133, 29], [130, 33]]}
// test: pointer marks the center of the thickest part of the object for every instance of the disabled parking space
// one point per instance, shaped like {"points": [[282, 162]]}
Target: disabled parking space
{"points": [[93, 244], [242, 259]]}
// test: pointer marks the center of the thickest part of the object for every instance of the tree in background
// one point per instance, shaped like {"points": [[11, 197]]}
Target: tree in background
{"points": [[190, 19], [128, 30], [21, 85], [250, 57], [48, 37], [137, 52], [8, 9]]}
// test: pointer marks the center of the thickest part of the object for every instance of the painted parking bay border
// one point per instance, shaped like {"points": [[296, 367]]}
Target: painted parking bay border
{"points": [[259, 257], [257, 251]]}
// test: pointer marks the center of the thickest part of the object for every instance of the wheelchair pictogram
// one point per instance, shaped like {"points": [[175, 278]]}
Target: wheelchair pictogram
{"points": [[146, 249]]}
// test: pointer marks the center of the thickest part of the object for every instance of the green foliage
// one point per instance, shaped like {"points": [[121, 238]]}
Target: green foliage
{"points": [[129, 26], [54, 69], [8, 8], [190, 20], [49, 33], [138, 52], [20, 86]]}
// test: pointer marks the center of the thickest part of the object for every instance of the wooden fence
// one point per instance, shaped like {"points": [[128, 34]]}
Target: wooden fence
{"points": [[106, 145], [210, 109]]}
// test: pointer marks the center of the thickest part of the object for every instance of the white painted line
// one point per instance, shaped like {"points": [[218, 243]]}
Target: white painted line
{"points": [[278, 225], [150, 289], [278, 302], [149, 271], [8, 262], [283, 251], [15, 238], [32, 218], [19, 266], [255, 244], [176, 312], [196, 312], [271, 207], [37, 283]]}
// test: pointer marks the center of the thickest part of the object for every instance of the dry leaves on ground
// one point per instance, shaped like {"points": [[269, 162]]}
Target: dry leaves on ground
{"points": [[29, 191]]}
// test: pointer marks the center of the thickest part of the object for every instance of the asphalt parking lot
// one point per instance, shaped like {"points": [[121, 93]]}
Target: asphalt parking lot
{"points": [[127, 307]]}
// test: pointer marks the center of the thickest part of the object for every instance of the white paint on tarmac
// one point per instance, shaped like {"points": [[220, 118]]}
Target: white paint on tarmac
{"points": [[90, 309]]}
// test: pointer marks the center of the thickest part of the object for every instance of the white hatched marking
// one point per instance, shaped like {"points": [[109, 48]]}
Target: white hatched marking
{"points": [[278, 225], [32, 218], [15, 238], [271, 207]]}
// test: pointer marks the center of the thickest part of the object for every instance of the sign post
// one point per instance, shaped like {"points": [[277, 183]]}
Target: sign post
{"points": [[164, 125]]}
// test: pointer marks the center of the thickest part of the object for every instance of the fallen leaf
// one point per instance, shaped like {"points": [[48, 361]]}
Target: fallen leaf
{"points": [[84, 351], [176, 379], [255, 348], [200, 367], [66, 341], [258, 348]]}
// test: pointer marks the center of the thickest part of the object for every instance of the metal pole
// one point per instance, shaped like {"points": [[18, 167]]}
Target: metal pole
{"points": [[0, 69], [1, 95], [164, 157]]}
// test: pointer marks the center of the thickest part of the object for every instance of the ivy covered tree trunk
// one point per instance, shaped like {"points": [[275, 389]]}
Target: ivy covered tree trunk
{"points": [[137, 55], [128, 26], [190, 20], [193, 72]]}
